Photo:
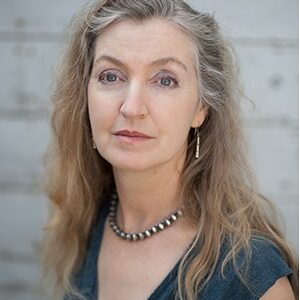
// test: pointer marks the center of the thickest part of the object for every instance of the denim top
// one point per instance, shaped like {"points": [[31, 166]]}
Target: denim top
{"points": [[266, 266]]}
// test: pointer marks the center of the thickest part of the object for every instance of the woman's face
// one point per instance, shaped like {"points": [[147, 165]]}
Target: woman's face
{"points": [[143, 79]]}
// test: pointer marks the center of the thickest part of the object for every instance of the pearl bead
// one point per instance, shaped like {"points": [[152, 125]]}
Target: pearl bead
{"points": [[161, 226], [154, 230], [174, 218]]}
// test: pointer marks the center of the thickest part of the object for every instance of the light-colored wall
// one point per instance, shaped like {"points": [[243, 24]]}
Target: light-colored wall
{"points": [[266, 38]]}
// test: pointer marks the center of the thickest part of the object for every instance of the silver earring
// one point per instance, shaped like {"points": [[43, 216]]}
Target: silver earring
{"points": [[94, 144], [197, 154]]}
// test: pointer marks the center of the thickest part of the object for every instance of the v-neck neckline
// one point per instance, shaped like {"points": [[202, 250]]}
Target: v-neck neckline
{"points": [[169, 278]]}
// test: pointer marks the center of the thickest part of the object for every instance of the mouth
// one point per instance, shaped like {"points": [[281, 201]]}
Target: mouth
{"points": [[131, 136]]}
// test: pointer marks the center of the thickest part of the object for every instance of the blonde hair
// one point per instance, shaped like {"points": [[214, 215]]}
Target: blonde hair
{"points": [[219, 189]]}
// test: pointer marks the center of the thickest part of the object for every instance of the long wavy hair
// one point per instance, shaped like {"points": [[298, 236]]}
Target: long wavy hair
{"points": [[219, 189]]}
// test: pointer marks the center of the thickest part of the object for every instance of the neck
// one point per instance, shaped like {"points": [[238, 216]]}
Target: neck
{"points": [[146, 198]]}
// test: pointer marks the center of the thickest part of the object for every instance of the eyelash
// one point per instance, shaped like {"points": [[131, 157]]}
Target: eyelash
{"points": [[100, 79]]}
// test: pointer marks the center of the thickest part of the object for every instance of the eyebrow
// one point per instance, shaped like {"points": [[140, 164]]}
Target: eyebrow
{"points": [[158, 62]]}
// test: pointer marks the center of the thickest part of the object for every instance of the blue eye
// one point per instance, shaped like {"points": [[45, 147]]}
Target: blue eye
{"points": [[108, 77], [165, 81], [111, 77], [168, 82]]}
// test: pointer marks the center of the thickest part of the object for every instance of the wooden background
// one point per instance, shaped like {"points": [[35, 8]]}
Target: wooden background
{"points": [[265, 35]]}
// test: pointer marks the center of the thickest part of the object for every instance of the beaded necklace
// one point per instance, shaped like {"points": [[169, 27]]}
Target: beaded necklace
{"points": [[138, 235]]}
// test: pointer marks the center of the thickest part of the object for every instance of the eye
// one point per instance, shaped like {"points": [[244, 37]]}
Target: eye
{"points": [[108, 78], [111, 77], [168, 82]]}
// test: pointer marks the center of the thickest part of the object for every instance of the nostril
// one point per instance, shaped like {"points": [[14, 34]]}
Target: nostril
{"points": [[133, 111]]}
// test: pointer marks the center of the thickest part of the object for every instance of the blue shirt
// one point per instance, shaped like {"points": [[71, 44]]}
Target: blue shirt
{"points": [[266, 266]]}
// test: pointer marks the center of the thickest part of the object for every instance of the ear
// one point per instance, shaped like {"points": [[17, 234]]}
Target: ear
{"points": [[200, 115]]}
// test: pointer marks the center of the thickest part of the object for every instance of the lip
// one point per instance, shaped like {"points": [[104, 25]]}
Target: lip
{"points": [[132, 134]]}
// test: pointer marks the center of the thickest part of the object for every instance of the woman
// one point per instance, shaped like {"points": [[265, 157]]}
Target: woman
{"points": [[151, 191]]}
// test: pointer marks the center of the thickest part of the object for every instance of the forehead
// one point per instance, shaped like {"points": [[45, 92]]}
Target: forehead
{"points": [[145, 41]]}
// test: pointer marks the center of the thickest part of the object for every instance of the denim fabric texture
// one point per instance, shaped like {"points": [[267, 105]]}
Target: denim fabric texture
{"points": [[266, 266]]}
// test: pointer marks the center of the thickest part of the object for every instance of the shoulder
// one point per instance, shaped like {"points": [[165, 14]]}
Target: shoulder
{"points": [[250, 276], [266, 261], [280, 290], [265, 256], [268, 271]]}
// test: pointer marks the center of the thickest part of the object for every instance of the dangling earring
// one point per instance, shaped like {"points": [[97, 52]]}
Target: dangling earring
{"points": [[94, 144], [197, 154]]}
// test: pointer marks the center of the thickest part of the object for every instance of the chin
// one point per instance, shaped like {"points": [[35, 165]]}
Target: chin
{"points": [[132, 161], [126, 166], [134, 164]]}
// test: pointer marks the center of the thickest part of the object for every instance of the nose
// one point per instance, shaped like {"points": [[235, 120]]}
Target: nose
{"points": [[134, 106]]}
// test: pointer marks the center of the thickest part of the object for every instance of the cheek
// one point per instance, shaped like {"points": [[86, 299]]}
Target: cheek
{"points": [[176, 123], [99, 114], [182, 122], [102, 109], [181, 115]]}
